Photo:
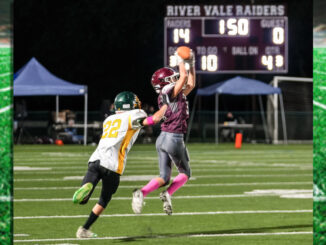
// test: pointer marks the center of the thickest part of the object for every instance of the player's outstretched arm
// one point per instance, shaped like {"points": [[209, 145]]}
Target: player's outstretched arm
{"points": [[191, 83], [156, 118], [182, 79]]}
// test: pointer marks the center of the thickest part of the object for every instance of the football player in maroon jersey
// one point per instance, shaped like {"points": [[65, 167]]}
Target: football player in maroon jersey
{"points": [[173, 87]]}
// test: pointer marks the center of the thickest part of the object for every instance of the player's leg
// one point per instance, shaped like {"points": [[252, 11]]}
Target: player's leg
{"points": [[181, 159], [88, 185], [179, 155], [154, 184], [83, 194], [110, 183]]}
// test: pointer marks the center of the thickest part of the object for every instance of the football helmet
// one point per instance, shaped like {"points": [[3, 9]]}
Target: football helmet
{"points": [[126, 101], [162, 77]]}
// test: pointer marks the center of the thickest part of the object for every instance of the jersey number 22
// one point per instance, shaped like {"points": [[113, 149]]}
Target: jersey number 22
{"points": [[111, 129]]}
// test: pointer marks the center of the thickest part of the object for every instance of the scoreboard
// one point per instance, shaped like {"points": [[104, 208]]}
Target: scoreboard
{"points": [[229, 38]]}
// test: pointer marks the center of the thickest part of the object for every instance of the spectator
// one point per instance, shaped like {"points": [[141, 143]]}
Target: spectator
{"points": [[227, 132]]}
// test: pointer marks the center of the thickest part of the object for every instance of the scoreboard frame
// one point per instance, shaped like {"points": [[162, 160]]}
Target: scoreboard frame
{"points": [[284, 53]]}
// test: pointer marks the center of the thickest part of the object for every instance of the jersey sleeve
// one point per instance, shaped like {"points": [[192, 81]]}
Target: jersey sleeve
{"points": [[137, 117], [166, 92], [167, 89]]}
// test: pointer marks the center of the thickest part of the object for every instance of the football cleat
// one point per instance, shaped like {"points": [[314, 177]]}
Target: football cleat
{"points": [[167, 204], [137, 201], [82, 192], [84, 233]]}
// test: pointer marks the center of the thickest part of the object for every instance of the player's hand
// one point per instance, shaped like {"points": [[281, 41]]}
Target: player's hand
{"points": [[178, 58], [191, 60]]}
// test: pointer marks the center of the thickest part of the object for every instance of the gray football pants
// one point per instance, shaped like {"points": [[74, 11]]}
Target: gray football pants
{"points": [[171, 148]]}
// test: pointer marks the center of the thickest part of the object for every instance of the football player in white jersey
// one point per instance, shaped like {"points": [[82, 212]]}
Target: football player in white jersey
{"points": [[108, 161]]}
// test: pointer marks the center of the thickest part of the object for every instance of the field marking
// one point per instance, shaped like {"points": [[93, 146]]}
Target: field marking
{"points": [[134, 165], [5, 199], [5, 74], [285, 193], [5, 89], [187, 185], [174, 214], [173, 236], [4, 109], [149, 177], [26, 168], [64, 154], [20, 235], [246, 195], [196, 169], [316, 103]]}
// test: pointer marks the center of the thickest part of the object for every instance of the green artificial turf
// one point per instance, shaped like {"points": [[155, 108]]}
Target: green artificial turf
{"points": [[5, 146], [319, 122], [214, 207]]}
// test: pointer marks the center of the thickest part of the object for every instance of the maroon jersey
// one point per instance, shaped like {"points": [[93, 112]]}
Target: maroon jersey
{"points": [[177, 112]]}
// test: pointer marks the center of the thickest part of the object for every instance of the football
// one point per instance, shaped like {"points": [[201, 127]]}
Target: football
{"points": [[184, 52]]}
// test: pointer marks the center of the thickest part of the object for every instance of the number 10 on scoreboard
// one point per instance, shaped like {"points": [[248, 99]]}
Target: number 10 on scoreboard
{"points": [[229, 44]]}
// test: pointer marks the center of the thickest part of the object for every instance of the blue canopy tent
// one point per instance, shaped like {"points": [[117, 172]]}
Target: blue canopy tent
{"points": [[239, 86], [33, 79]]}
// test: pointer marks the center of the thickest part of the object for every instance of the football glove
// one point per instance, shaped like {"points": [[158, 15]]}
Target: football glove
{"points": [[191, 60], [178, 58], [138, 122]]}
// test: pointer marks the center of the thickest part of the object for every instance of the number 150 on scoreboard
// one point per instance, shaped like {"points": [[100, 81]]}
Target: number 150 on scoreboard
{"points": [[230, 44]]}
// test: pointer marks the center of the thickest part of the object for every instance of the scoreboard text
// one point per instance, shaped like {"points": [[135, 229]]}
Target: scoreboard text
{"points": [[229, 38]]}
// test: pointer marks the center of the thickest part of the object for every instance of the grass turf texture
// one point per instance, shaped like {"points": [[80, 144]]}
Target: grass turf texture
{"points": [[221, 177], [5, 145], [319, 131]]}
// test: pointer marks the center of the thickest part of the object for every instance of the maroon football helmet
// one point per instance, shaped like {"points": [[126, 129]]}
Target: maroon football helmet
{"points": [[162, 77]]}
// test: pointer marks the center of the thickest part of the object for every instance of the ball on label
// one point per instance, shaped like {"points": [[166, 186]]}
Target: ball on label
{"points": [[184, 52]]}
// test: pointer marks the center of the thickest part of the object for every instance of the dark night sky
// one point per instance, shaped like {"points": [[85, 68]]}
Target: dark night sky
{"points": [[113, 45]]}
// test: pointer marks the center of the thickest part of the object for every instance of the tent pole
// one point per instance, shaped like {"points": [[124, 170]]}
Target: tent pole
{"points": [[275, 133], [57, 108], [283, 120], [191, 118], [263, 118], [216, 118], [85, 120]]}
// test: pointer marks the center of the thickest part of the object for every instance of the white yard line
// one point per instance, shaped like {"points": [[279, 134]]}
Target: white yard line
{"points": [[174, 214], [5, 198], [50, 171], [316, 103], [5, 74], [187, 185], [4, 109], [148, 177], [151, 198], [174, 236], [5, 89]]}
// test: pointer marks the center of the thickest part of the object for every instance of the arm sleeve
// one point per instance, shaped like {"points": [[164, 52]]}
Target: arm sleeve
{"points": [[137, 118]]}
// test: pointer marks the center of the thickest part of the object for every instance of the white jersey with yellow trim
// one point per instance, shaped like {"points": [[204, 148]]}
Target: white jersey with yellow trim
{"points": [[120, 132]]}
